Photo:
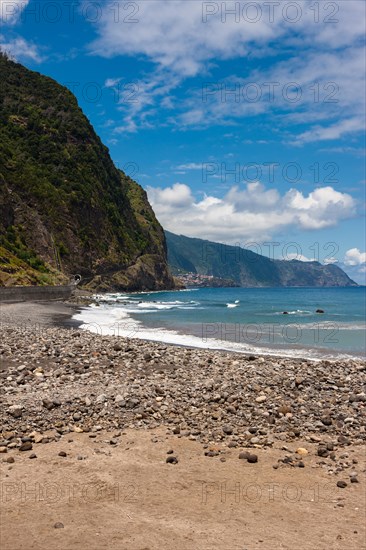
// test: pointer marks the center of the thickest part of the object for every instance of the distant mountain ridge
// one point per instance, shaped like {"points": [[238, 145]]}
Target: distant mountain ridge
{"points": [[248, 269], [64, 206]]}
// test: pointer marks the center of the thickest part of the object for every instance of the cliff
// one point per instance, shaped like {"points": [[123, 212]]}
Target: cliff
{"points": [[64, 207]]}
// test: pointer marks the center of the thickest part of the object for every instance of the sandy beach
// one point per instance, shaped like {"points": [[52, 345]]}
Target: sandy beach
{"points": [[120, 443]]}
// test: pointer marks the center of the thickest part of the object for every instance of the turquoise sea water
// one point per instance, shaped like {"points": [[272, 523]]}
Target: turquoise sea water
{"points": [[249, 320]]}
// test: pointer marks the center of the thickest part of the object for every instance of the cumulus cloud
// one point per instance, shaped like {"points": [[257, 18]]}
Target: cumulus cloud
{"points": [[354, 256], [252, 213], [10, 10]]}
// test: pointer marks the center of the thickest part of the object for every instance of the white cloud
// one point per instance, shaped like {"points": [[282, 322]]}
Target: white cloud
{"points": [[190, 166], [253, 213], [334, 131], [354, 256], [182, 36], [111, 82], [181, 39], [20, 48], [299, 257], [10, 10]]}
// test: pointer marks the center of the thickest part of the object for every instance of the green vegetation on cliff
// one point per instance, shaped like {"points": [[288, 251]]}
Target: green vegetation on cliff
{"points": [[247, 268], [64, 206]]}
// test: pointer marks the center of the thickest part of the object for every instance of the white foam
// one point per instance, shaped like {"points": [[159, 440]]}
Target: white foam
{"points": [[106, 320]]}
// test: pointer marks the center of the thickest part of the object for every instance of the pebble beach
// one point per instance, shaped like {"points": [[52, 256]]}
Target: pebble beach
{"points": [[70, 396]]}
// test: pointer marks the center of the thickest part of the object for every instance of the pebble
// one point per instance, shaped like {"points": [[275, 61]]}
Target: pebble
{"points": [[244, 455], [252, 458], [341, 484], [302, 451], [261, 398], [27, 446], [62, 453], [213, 397], [59, 525], [171, 460], [15, 411]]}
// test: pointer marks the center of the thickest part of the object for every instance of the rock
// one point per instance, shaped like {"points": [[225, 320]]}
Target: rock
{"points": [[171, 460], [285, 313], [11, 460], [326, 420], [341, 484], [228, 430], [48, 404], [62, 453], [300, 464], [284, 409], [252, 458], [33, 455], [354, 479], [323, 451], [3, 450], [59, 525], [244, 455], [343, 440], [301, 451], [319, 311], [101, 398], [27, 446], [261, 398], [16, 411]]}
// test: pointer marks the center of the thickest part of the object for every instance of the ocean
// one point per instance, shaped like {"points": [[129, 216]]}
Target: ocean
{"points": [[247, 320]]}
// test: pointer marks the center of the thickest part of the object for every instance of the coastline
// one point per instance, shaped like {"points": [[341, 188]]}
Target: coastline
{"points": [[115, 407]]}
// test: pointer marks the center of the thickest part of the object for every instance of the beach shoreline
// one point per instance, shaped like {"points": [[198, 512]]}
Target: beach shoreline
{"points": [[101, 412]]}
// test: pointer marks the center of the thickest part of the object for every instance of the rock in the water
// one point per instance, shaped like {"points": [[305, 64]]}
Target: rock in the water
{"points": [[319, 311]]}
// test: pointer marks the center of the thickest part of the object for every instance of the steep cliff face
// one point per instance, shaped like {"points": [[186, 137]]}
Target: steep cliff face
{"points": [[64, 206], [247, 268]]}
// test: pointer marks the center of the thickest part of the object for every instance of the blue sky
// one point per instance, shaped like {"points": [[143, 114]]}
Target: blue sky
{"points": [[244, 121]]}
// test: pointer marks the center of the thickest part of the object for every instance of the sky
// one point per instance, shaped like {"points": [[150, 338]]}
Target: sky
{"points": [[244, 121]]}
